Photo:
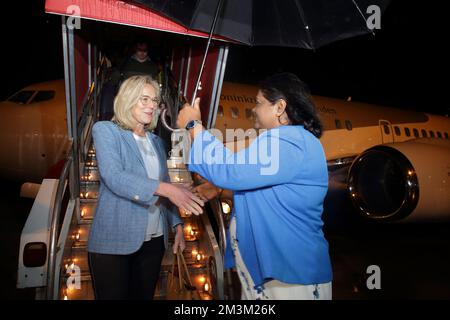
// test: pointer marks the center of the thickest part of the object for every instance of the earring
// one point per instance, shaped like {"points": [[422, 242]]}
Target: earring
{"points": [[284, 122], [279, 119]]}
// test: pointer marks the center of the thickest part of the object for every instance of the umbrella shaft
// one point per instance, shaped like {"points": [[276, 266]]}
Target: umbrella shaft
{"points": [[216, 16]]}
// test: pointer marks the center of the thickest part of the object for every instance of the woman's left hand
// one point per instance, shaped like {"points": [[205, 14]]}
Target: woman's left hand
{"points": [[188, 113], [179, 239]]}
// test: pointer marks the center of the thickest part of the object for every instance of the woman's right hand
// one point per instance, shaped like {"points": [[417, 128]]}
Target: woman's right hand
{"points": [[207, 191], [181, 196]]}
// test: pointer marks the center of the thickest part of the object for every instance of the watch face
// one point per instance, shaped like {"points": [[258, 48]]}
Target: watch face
{"points": [[190, 124]]}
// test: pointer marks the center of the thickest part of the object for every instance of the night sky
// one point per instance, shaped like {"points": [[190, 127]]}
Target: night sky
{"points": [[405, 65]]}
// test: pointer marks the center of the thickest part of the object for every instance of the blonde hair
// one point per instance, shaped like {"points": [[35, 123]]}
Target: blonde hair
{"points": [[128, 96]]}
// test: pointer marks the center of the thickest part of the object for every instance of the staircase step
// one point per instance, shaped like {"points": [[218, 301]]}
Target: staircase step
{"points": [[87, 209], [82, 201], [79, 257], [81, 234], [88, 183], [90, 174], [89, 191], [86, 221], [90, 163]]}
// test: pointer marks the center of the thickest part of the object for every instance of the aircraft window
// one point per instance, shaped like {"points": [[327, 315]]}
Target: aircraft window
{"points": [[432, 133], [424, 133], [348, 125], [220, 111], [338, 124], [407, 132], [248, 114], [439, 134], [446, 135], [397, 131], [386, 129], [234, 112], [416, 133], [43, 96], [22, 97]]}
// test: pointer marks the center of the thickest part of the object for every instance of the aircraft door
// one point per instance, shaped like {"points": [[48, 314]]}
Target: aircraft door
{"points": [[387, 134]]}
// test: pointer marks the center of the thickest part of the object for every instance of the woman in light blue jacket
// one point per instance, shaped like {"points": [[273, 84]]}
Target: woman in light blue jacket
{"points": [[279, 184], [135, 206]]}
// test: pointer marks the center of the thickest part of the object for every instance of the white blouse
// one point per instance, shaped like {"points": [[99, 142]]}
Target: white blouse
{"points": [[151, 161]]}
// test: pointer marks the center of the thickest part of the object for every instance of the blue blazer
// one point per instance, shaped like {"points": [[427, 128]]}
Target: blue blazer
{"points": [[121, 215]]}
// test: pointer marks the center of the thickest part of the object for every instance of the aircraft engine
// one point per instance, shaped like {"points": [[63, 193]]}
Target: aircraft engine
{"points": [[408, 181]]}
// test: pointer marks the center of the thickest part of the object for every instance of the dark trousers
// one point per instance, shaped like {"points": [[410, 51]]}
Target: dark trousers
{"points": [[133, 276]]}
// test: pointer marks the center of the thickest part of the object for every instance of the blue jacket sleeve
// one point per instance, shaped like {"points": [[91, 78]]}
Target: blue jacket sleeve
{"points": [[124, 184], [268, 161]]}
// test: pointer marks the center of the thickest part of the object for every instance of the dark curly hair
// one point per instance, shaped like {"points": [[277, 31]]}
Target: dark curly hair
{"points": [[299, 106]]}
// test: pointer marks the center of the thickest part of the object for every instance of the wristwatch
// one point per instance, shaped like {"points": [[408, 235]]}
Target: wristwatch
{"points": [[191, 124]]}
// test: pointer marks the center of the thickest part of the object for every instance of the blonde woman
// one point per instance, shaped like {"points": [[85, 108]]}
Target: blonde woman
{"points": [[136, 203]]}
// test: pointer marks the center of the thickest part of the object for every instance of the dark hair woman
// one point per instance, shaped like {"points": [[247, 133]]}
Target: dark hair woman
{"points": [[300, 109], [276, 240]]}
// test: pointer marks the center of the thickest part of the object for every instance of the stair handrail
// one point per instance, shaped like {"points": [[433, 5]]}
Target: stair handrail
{"points": [[221, 227], [53, 228]]}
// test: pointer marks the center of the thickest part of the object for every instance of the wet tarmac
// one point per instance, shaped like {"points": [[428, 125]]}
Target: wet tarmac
{"points": [[413, 260]]}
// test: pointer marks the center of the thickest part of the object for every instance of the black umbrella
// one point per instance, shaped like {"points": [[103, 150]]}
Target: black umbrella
{"points": [[306, 24]]}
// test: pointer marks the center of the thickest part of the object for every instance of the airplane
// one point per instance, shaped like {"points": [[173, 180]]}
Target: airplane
{"points": [[33, 131], [393, 164]]}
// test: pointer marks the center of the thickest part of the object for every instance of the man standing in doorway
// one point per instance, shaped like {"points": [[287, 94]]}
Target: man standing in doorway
{"points": [[139, 63]]}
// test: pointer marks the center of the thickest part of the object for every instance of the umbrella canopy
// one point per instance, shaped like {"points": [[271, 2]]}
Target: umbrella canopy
{"points": [[292, 23]]}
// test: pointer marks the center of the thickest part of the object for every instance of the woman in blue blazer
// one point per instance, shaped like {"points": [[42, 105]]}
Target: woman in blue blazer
{"points": [[135, 206], [279, 184]]}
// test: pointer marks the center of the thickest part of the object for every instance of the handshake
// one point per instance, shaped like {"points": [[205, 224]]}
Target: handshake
{"points": [[188, 199], [181, 196]]}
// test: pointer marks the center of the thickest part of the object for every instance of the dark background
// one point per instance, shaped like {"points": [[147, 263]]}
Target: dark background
{"points": [[404, 65]]}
